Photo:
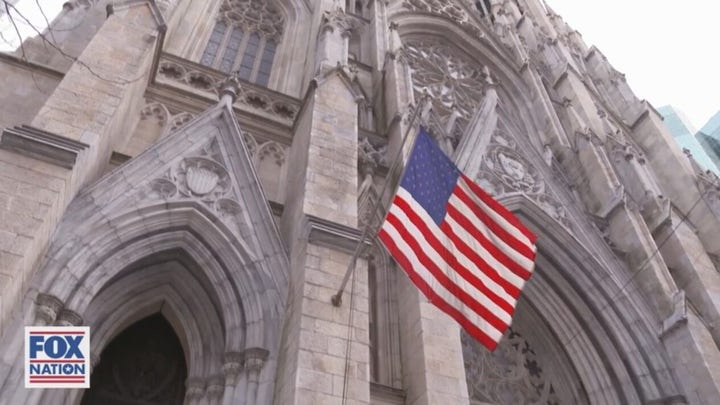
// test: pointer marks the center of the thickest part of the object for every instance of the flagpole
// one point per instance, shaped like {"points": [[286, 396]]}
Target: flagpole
{"points": [[337, 298]]}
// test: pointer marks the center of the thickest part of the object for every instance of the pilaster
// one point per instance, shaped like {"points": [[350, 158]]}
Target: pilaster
{"points": [[431, 355], [325, 349]]}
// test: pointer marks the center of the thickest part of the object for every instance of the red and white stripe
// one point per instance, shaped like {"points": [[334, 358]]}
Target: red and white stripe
{"points": [[472, 266]]}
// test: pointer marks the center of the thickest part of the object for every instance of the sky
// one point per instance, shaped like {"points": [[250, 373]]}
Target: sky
{"points": [[30, 10], [664, 47], [669, 50]]}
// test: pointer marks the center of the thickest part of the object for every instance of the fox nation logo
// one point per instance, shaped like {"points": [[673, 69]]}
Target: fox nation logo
{"points": [[57, 357]]}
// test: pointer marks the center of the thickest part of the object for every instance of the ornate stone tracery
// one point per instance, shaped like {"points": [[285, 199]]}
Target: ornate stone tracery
{"points": [[456, 11], [512, 374], [174, 71], [505, 171], [455, 84], [257, 16]]}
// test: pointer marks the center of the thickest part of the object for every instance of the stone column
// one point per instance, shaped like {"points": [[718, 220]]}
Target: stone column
{"points": [[254, 361], [320, 221], [432, 361], [69, 141], [232, 369], [215, 389]]}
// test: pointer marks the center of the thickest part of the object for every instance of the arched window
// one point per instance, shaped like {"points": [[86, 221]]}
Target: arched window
{"points": [[244, 39]]}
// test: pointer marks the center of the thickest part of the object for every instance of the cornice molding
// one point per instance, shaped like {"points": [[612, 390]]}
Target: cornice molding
{"points": [[332, 234], [42, 145], [27, 64]]}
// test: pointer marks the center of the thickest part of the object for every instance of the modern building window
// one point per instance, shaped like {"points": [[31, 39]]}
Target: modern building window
{"points": [[244, 39]]}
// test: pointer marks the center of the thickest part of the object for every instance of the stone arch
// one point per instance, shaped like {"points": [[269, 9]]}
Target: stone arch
{"points": [[154, 118], [504, 71], [176, 258], [603, 334], [77, 270], [143, 363], [168, 287]]}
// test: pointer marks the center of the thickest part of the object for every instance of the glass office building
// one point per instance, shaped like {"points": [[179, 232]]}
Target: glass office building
{"points": [[709, 138], [704, 148]]}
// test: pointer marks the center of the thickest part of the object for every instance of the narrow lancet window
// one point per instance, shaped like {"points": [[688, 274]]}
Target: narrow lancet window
{"points": [[244, 39]]}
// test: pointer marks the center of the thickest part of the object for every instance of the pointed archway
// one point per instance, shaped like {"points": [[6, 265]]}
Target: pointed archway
{"points": [[143, 365], [591, 336], [183, 229]]}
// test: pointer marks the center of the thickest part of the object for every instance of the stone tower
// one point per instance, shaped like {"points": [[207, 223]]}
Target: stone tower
{"points": [[199, 222]]}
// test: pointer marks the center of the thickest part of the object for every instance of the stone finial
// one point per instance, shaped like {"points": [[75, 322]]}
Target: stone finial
{"points": [[47, 308], [229, 89]]}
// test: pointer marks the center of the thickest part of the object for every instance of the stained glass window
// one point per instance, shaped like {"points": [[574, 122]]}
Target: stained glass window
{"points": [[243, 44]]}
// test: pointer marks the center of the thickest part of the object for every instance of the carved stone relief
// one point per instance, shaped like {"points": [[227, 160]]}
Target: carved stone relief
{"points": [[462, 12], [156, 112], [337, 19], [512, 374], [505, 171], [201, 177], [454, 83], [273, 151], [253, 98], [257, 16], [179, 120]]}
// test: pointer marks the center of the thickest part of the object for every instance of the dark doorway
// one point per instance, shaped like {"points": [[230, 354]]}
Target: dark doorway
{"points": [[143, 365]]}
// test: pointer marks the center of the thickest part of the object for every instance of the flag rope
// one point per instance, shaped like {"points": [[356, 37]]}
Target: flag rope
{"points": [[337, 298]]}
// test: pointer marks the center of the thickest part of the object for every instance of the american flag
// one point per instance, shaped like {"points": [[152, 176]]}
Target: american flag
{"points": [[467, 253]]}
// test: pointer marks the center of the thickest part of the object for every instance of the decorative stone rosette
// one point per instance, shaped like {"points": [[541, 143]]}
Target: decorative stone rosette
{"points": [[504, 172], [204, 179]]}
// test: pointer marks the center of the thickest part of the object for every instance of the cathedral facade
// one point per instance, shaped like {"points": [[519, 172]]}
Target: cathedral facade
{"points": [[191, 179]]}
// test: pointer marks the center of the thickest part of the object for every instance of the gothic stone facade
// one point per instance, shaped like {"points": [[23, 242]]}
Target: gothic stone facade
{"points": [[201, 240]]}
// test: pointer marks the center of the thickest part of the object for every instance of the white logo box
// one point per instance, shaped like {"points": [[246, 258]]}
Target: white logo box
{"points": [[57, 357]]}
